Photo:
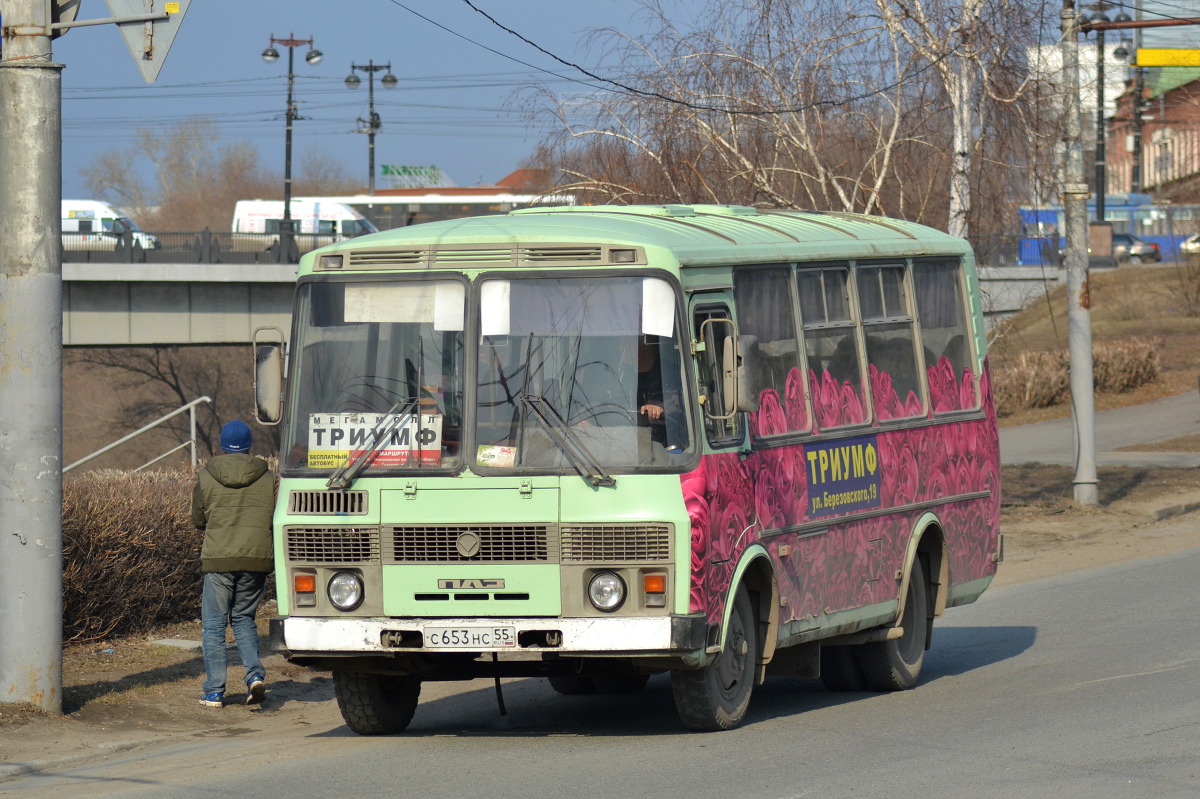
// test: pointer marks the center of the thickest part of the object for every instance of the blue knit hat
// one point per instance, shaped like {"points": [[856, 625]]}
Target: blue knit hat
{"points": [[235, 437]]}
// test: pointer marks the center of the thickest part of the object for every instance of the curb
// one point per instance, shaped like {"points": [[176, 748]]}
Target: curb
{"points": [[1171, 511]]}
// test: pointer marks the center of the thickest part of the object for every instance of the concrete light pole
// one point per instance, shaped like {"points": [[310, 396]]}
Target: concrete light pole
{"points": [[30, 361], [287, 248], [1079, 324], [372, 125]]}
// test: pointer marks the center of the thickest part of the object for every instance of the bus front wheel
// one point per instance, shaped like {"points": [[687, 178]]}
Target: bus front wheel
{"points": [[716, 698], [894, 665], [376, 704]]}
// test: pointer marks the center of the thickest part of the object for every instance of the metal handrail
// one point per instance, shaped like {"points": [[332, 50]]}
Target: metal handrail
{"points": [[190, 407]]}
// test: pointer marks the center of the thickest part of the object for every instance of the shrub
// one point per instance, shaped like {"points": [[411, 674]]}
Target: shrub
{"points": [[131, 557], [1031, 380], [1120, 366], [1042, 379]]}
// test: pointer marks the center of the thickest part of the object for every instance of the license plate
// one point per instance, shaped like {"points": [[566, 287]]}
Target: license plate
{"points": [[469, 637]]}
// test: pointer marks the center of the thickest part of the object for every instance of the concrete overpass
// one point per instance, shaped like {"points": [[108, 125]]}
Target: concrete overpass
{"points": [[160, 304], [187, 303]]}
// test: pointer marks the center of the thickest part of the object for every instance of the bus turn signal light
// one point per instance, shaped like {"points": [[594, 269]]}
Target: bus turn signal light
{"points": [[306, 590], [655, 586]]}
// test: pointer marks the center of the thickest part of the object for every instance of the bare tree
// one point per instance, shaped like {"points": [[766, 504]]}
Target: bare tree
{"points": [[197, 179], [858, 105], [153, 381], [972, 46], [748, 107]]}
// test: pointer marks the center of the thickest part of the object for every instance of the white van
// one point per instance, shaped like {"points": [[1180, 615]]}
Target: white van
{"points": [[310, 215], [95, 225]]}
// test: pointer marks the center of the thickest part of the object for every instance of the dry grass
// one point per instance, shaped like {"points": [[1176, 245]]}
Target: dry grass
{"points": [[131, 556], [1126, 304]]}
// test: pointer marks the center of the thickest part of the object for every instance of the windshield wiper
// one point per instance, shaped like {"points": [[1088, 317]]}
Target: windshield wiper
{"points": [[383, 429], [582, 460]]}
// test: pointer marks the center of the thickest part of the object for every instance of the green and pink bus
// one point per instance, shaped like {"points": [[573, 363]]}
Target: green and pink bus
{"points": [[594, 444]]}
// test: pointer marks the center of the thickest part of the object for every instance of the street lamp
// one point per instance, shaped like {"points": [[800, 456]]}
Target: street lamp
{"points": [[1101, 156], [372, 124], [287, 248]]}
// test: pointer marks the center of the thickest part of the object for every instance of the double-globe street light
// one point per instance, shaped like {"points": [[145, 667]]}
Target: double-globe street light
{"points": [[371, 125], [287, 244]]}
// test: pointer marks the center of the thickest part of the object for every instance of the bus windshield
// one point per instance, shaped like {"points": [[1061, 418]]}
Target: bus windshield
{"points": [[580, 370], [369, 355], [574, 374]]}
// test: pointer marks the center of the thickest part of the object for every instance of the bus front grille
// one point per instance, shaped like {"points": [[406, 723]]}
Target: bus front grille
{"points": [[469, 543], [332, 544], [327, 503], [608, 543]]}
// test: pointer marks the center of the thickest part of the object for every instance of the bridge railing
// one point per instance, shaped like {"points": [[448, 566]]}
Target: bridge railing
{"points": [[201, 247], [190, 409]]}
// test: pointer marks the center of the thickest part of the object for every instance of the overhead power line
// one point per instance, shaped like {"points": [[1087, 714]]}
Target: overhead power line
{"points": [[695, 106]]}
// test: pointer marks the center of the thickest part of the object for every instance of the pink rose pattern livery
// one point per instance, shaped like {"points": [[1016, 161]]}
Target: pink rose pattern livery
{"points": [[732, 501]]}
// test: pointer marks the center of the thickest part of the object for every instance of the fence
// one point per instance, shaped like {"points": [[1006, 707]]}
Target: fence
{"points": [[203, 247]]}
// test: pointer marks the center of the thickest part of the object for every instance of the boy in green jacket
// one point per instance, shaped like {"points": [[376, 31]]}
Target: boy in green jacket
{"points": [[233, 504]]}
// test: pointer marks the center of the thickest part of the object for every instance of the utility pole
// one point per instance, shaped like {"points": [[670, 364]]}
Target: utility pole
{"points": [[1079, 324], [1139, 90], [30, 360], [371, 125]]}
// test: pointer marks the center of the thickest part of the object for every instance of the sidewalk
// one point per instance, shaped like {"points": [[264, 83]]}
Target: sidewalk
{"points": [[1053, 442]]}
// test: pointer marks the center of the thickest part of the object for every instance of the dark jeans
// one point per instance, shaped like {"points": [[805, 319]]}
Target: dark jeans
{"points": [[230, 599]]}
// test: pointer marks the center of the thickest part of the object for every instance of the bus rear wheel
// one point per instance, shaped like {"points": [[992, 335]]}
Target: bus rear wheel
{"points": [[376, 704], [716, 698], [895, 665]]}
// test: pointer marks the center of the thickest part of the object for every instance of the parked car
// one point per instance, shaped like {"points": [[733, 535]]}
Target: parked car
{"points": [[1190, 245], [1129, 249]]}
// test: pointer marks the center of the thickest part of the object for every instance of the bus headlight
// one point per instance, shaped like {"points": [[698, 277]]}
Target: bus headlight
{"points": [[606, 590], [345, 590]]}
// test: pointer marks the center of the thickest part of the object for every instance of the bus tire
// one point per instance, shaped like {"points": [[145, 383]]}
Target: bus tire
{"points": [[376, 704], [572, 684], [840, 670], [895, 665], [621, 683], [716, 698]]}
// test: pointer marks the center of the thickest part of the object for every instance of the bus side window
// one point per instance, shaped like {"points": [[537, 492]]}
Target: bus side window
{"points": [[891, 353], [721, 432], [949, 365], [767, 316], [831, 344]]}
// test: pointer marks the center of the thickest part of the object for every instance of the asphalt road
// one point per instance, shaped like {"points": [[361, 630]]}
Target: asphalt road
{"points": [[1115, 432], [1083, 685]]}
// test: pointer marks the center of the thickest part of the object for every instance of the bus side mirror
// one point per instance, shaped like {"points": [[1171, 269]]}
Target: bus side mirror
{"points": [[729, 377], [268, 377], [747, 370]]}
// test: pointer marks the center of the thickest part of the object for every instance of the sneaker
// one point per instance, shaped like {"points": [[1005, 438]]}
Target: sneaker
{"points": [[213, 699], [258, 691]]}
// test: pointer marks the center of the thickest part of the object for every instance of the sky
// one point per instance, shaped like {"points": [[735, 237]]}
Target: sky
{"points": [[453, 106]]}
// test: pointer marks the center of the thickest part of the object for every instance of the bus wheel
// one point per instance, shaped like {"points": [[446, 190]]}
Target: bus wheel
{"points": [[376, 704], [716, 698], [895, 665], [840, 670], [572, 684], [621, 683]]}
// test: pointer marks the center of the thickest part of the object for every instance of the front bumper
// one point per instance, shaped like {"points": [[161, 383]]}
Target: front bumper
{"points": [[315, 637]]}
